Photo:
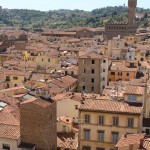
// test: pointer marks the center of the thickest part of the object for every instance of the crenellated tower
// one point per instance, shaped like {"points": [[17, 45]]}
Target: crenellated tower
{"points": [[131, 12]]}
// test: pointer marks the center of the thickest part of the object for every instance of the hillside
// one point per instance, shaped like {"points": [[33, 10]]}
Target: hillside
{"points": [[62, 19]]}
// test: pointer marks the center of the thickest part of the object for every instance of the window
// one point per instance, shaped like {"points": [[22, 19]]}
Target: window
{"points": [[131, 64], [58, 148], [7, 78], [6, 146], [87, 118], [115, 121], [101, 120], [92, 88], [25, 79], [84, 70], [127, 74], [119, 73], [147, 131], [132, 98], [15, 78], [103, 79], [115, 136], [83, 88], [92, 71], [87, 134], [92, 80], [42, 59], [103, 70], [15, 85], [93, 61], [99, 148], [103, 87], [104, 61], [64, 128], [130, 122], [84, 61], [7, 85], [101, 136], [86, 148], [72, 73], [49, 60]]}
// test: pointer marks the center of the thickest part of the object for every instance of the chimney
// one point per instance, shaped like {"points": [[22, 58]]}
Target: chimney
{"points": [[125, 135], [130, 146]]}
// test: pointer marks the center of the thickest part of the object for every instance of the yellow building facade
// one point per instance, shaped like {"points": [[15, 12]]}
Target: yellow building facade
{"points": [[100, 129]]}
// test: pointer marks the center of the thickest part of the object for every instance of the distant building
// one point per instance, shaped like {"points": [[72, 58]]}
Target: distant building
{"points": [[113, 29], [93, 72]]}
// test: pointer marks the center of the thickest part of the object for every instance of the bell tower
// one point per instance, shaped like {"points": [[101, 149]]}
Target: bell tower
{"points": [[131, 12]]}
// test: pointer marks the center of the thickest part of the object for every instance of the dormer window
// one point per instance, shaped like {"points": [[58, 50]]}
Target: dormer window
{"points": [[132, 98]]}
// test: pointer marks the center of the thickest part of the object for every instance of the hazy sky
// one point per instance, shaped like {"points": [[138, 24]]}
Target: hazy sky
{"points": [[67, 4]]}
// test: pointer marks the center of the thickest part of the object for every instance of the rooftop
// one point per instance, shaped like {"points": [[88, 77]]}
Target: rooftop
{"points": [[110, 106], [129, 139]]}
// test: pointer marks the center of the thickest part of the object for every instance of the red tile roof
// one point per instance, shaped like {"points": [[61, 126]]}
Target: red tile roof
{"points": [[138, 90], [9, 131], [128, 139], [92, 54], [120, 67], [63, 82], [146, 144], [37, 101], [10, 115], [110, 106], [67, 140]]}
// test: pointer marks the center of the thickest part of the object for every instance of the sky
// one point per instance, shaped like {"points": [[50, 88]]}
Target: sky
{"points": [[46, 5]]}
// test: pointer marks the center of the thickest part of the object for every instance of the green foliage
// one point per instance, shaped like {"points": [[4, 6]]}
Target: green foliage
{"points": [[61, 19]]}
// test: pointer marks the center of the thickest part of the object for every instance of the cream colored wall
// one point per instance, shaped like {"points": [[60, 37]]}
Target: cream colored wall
{"points": [[12, 82], [2, 85], [60, 125], [67, 108], [135, 147], [45, 62], [13, 92], [138, 56], [107, 128], [13, 143]]}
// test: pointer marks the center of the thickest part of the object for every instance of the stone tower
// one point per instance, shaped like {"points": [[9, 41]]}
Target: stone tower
{"points": [[132, 9], [38, 123]]}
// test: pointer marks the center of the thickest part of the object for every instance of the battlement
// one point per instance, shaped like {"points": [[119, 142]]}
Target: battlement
{"points": [[132, 3]]}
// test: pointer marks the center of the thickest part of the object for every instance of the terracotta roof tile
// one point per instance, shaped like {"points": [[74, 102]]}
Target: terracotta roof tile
{"points": [[10, 131], [63, 82], [146, 144], [67, 140], [128, 139], [121, 67], [109, 106], [10, 115], [38, 101], [134, 90]]}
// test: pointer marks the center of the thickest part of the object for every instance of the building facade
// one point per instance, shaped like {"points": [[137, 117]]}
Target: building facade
{"points": [[93, 70], [38, 123], [103, 122], [113, 29]]}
